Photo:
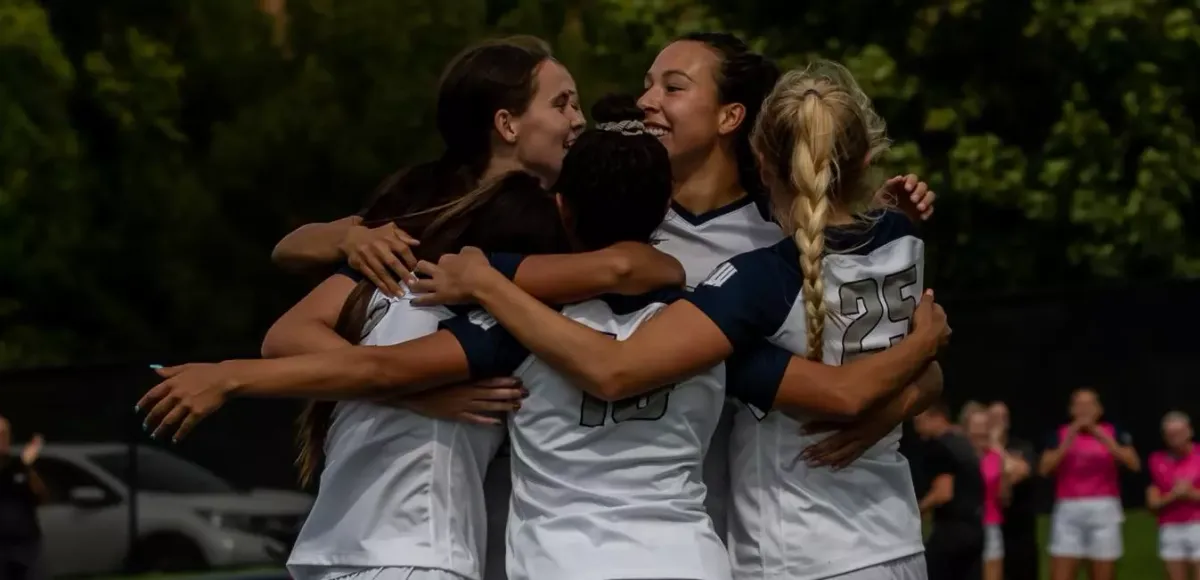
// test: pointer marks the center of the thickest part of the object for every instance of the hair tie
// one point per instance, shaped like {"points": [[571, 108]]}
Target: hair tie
{"points": [[627, 127]]}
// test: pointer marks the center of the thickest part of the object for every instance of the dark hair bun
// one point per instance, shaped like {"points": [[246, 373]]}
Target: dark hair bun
{"points": [[614, 108]]}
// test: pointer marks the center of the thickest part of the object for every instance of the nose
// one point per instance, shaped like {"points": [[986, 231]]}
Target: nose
{"points": [[649, 101], [577, 120]]}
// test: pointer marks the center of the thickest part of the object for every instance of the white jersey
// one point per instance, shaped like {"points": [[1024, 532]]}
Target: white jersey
{"points": [[703, 242], [605, 491], [792, 521], [398, 488]]}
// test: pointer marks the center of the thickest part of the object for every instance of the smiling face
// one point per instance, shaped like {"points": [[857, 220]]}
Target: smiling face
{"points": [[681, 100], [549, 126]]}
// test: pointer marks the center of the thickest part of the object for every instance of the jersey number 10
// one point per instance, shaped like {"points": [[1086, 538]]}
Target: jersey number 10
{"points": [[874, 305], [594, 412]]}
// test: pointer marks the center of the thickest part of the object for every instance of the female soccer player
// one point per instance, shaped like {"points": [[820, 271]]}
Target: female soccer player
{"points": [[1174, 480], [814, 139], [1086, 522]]}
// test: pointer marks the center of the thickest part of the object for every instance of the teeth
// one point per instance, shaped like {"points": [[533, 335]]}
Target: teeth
{"points": [[656, 131]]}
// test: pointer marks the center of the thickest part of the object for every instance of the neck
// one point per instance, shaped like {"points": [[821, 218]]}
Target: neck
{"points": [[1185, 449], [499, 165], [709, 183]]}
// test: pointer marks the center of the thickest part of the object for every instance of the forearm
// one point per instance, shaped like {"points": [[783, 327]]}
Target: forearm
{"points": [[932, 500], [351, 373], [568, 278], [885, 373], [554, 338], [313, 245], [36, 485], [1128, 457], [295, 338]]}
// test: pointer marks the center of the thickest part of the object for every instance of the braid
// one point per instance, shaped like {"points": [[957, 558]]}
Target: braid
{"points": [[813, 169]]}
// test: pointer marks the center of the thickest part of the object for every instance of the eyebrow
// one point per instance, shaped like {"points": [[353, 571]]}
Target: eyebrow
{"points": [[566, 94], [670, 73]]}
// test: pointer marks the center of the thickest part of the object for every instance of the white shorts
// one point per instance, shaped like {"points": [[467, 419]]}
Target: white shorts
{"points": [[383, 573], [993, 543], [1088, 529], [906, 568], [1179, 542]]}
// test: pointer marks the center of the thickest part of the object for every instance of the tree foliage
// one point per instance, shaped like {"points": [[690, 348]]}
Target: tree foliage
{"points": [[151, 154]]}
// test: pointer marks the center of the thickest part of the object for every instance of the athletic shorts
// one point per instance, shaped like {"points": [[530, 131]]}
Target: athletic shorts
{"points": [[993, 543], [381, 573], [1179, 542], [1088, 529], [906, 568]]}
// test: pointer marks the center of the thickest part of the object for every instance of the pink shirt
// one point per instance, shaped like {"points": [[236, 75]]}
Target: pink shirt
{"points": [[1088, 469], [1166, 468], [992, 466]]}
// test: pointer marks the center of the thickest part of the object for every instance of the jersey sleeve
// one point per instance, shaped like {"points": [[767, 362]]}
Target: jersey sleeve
{"points": [[753, 375], [1160, 475], [491, 351], [744, 298]]}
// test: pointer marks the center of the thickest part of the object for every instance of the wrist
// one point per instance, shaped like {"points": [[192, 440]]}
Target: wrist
{"points": [[231, 382], [348, 236], [484, 283]]}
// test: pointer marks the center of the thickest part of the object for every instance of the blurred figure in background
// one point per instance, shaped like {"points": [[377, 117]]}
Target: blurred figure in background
{"points": [[21, 491], [1174, 477], [1000, 471], [1083, 457], [1020, 515], [954, 549], [968, 409]]}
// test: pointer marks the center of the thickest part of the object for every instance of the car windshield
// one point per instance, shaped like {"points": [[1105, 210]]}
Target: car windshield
{"points": [[162, 472]]}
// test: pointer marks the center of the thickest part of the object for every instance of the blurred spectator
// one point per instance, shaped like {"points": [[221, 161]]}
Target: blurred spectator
{"points": [[1020, 515], [954, 549], [1086, 522], [968, 409], [21, 491], [1174, 476], [1000, 471]]}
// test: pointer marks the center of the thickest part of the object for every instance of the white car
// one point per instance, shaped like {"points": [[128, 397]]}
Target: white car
{"points": [[187, 517]]}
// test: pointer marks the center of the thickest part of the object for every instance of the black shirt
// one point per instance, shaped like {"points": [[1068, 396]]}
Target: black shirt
{"points": [[1021, 514], [953, 454], [18, 503]]}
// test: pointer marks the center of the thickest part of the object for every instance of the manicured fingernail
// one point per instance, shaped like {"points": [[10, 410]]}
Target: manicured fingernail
{"points": [[155, 366], [137, 409]]}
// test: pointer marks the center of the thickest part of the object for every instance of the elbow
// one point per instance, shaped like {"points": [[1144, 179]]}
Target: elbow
{"points": [[610, 384], [272, 342]]}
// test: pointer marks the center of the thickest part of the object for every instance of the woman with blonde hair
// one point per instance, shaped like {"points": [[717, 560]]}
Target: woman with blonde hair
{"points": [[969, 408], [846, 282]]}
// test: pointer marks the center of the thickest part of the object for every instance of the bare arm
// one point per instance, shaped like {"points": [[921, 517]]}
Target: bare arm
{"points": [[314, 245], [626, 268], [1124, 454], [941, 491], [1052, 457], [809, 388], [308, 326], [37, 486]]}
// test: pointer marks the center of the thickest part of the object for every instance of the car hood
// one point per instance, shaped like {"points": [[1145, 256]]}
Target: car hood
{"points": [[255, 502]]}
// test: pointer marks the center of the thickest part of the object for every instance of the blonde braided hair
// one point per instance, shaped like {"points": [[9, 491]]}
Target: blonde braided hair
{"points": [[815, 135]]}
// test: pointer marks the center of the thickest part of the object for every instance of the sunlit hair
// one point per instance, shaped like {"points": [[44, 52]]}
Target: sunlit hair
{"points": [[814, 138], [1176, 417], [969, 409]]}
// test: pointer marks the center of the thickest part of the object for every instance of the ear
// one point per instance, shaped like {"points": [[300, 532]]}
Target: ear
{"points": [[730, 118], [507, 126]]}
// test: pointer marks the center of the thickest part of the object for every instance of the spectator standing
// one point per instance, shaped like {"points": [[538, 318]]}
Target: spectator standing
{"points": [[21, 491], [1083, 456], [1174, 479], [954, 549], [1019, 530]]}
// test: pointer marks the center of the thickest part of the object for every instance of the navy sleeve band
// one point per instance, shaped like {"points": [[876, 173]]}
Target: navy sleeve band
{"points": [[491, 351], [350, 273], [506, 263], [754, 375]]}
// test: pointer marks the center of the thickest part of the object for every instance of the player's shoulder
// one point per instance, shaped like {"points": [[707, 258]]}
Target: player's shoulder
{"points": [[764, 263], [874, 231]]}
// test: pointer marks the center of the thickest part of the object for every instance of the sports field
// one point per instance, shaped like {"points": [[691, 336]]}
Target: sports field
{"points": [[1140, 561]]}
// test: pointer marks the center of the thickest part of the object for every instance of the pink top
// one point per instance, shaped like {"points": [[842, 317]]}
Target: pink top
{"points": [[992, 466], [1088, 469], [1166, 468]]}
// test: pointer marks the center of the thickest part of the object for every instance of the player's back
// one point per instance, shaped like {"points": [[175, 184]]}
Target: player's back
{"points": [[398, 488], [612, 490], [796, 522]]}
